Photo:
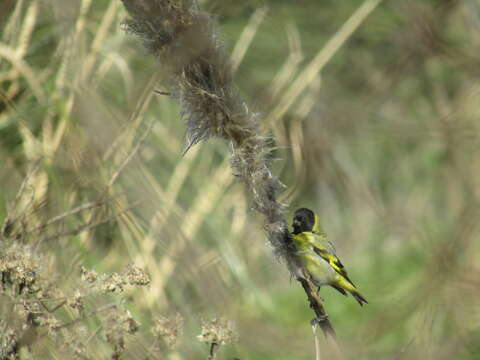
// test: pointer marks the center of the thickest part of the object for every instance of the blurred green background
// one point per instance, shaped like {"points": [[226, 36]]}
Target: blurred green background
{"points": [[382, 142]]}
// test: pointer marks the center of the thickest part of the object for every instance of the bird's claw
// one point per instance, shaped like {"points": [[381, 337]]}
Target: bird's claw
{"points": [[318, 294]]}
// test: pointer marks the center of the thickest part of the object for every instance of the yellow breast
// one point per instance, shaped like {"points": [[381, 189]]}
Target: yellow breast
{"points": [[320, 270]]}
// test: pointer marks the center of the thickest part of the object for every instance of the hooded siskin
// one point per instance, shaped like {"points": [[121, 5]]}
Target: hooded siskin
{"points": [[318, 255]]}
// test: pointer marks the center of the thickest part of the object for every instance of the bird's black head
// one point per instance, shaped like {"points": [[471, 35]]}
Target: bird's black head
{"points": [[303, 220]]}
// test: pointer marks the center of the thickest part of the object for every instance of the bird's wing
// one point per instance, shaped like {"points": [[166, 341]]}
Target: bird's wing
{"points": [[325, 249]]}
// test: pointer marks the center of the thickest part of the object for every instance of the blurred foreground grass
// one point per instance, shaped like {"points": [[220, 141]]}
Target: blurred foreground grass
{"points": [[383, 143]]}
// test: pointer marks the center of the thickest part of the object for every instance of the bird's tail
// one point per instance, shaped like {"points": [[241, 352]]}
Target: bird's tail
{"points": [[347, 285], [361, 300]]}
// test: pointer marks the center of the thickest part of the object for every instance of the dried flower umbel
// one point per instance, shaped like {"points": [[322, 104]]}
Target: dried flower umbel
{"points": [[8, 341], [36, 302], [116, 282], [75, 346], [88, 275], [120, 323], [76, 301], [19, 269], [136, 276], [217, 332], [167, 330]]}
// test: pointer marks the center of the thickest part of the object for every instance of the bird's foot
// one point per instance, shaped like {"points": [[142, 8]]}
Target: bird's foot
{"points": [[318, 320], [318, 294]]}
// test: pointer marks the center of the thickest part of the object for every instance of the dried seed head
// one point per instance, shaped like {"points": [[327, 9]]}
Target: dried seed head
{"points": [[50, 322], [219, 331], [8, 341], [113, 283], [200, 78], [129, 324], [136, 276], [119, 324], [74, 342], [168, 329], [76, 301], [89, 276], [19, 269]]}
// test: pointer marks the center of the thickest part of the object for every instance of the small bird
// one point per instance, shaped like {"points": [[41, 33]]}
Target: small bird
{"points": [[318, 257]]}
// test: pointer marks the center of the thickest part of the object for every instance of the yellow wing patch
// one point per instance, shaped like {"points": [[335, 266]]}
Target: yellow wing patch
{"points": [[333, 261]]}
